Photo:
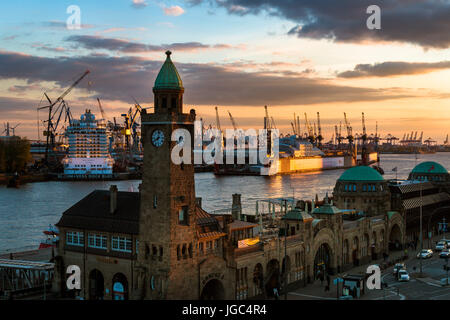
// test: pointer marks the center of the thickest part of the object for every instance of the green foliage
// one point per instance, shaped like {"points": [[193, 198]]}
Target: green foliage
{"points": [[14, 154]]}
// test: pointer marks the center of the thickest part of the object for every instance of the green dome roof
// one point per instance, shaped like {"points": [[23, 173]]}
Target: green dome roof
{"points": [[361, 173], [168, 77], [429, 167]]}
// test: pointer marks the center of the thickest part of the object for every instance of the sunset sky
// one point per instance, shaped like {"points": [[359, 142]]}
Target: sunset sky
{"points": [[294, 56]]}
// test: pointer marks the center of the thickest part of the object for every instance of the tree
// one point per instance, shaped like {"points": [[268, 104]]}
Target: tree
{"points": [[14, 154]]}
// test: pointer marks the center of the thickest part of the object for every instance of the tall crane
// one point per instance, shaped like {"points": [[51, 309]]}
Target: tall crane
{"points": [[349, 129], [298, 126], [319, 128], [293, 128], [267, 120], [337, 140], [232, 121], [101, 109], [310, 129], [446, 139], [218, 120], [364, 139], [62, 107], [272, 125]]}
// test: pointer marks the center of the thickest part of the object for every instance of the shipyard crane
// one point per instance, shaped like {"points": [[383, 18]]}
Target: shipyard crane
{"points": [[273, 126], [294, 125], [421, 137], [61, 107], [232, 121], [349, 130], [336, 140], [446, 140], [101, 109], [364, 139], [319, 128], [293, 128], [310, 129], [218, 120], [298, 126], [415, 136], [267, 124]]}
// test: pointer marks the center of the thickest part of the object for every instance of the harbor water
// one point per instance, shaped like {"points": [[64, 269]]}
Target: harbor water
{"points": [[27, 211]]}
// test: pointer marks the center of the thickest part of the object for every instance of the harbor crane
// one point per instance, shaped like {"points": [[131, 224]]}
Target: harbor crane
{"points": [[446, 140], [61, 108], [364, 140], [101, 109], [232, 121], [319, 137], [310, 129], [218, 120], [349, 130]]}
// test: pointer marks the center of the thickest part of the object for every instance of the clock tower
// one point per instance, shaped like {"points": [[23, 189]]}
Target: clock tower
{"points": [[167, 261]]}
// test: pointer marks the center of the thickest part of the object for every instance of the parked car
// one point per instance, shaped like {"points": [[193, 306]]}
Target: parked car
{"points": [[403, 275], [398, 267], [446, 241], [441, 245], [425, 254], [445, 253]]}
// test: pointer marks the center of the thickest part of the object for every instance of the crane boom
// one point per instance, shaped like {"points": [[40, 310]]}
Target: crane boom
{"points": [[101, 109], [232, 121], [218, 120]]}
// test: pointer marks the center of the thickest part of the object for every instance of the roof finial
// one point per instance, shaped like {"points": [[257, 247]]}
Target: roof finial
{"points": [[168, 53]]}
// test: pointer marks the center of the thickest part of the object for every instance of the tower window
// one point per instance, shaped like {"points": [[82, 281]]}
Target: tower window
{"points": [[174, 102], [164, 102], [183, 215], [155, 201]]}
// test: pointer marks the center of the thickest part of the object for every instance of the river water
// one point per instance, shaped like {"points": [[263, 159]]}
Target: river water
{"points": [[27, 211]]}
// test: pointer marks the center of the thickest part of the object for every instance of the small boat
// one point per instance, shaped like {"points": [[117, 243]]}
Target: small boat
{"points": [[52, 234], [52, 230]]}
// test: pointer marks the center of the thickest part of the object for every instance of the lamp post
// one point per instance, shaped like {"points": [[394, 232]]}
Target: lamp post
{"points": [[421, 236]]}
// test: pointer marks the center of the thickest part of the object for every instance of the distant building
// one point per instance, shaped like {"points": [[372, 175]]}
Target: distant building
{"points": [[433, 172], [88, 155]]}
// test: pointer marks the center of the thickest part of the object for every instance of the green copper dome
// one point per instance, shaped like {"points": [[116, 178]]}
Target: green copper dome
{"points": [[168, 77], [429, 167], [361, 173]]}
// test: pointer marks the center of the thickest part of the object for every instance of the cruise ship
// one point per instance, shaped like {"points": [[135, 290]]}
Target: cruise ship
{"points": [[88, 156]]}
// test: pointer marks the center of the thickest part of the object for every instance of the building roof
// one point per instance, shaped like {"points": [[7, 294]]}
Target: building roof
{"points": [[326, 209], [361, 173], [297, 214], [93, 213], [239, 225], [411, 187], [168, 77], [429, 167], [431, 199], [207, 226]]}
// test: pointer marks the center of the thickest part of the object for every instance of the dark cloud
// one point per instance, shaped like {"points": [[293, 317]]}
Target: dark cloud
{"points": [[393, 68], [112, 44], [422, 22], [121, 78]]}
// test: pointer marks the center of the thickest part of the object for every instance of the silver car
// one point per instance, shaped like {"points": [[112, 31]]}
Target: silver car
{"points": [[425, 254], [403, 275]]}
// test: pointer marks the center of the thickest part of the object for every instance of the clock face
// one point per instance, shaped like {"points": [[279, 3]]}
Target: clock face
{"points": [[157, 138]]}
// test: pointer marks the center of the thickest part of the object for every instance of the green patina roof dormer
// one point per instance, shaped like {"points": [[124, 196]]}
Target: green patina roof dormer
{"points": [[297, 214], [168, 77], [361, 173], [326, 208], [429, 167]]}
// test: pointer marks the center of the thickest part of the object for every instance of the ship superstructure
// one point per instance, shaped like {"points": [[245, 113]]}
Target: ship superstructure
{"points": [[88, 155]]}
